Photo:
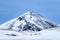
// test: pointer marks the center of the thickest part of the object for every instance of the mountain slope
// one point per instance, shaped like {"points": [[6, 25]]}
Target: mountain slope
{"points": [[29, 21]]}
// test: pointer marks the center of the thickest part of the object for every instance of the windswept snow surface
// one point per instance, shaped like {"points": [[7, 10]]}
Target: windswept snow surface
{"points": [[42, 35]]}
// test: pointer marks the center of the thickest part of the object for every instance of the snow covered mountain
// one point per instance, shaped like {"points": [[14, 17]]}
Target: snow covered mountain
{"points": [[30, 21], [30, 26]]}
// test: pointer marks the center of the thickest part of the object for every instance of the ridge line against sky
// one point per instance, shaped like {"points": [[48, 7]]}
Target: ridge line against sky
{"points": [[10, 9]]}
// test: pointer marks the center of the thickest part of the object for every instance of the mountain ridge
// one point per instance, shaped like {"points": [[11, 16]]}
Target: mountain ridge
{"points": [[30, 21]]}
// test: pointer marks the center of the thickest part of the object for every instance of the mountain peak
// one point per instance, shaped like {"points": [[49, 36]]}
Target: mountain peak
{"points": [[30, 21], [29, 13]]}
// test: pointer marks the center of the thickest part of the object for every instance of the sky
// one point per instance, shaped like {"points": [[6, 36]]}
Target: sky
{"points": [[10, 9]]}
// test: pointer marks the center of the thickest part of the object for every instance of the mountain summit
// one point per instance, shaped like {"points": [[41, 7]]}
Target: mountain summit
{"points": [[29, 21]]}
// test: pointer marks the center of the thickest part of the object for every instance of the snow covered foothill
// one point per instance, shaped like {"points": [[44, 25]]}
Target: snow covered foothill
{"points": [[47, 34]]}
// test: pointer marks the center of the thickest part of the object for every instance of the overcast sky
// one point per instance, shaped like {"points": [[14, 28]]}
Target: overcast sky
{"points": [[10, 9]]}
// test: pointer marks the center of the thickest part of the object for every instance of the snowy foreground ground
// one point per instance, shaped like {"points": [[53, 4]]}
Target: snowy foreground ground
{"points": [[48, 34]]}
